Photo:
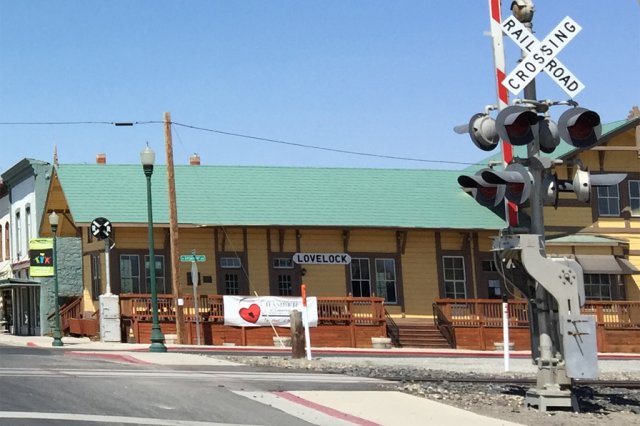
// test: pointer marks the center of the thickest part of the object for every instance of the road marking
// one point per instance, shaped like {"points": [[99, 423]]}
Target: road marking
{"points": [[192, 375], [108, 419], [318, 415]]}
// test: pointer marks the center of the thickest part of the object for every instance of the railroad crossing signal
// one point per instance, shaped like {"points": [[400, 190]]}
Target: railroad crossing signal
{"points": [[101, 228]]}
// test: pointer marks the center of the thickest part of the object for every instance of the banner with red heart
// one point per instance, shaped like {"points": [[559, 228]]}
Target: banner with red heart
{"points": [[266, 311]]}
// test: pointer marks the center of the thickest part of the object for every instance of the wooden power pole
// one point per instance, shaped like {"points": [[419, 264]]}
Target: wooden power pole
{"points": [[173, 229]]}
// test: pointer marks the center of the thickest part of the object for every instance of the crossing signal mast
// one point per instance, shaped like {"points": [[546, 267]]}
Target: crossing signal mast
{"points": [[563, 341]]}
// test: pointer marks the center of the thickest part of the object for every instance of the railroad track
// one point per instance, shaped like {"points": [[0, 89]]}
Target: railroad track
{"points": [[625, 384]]}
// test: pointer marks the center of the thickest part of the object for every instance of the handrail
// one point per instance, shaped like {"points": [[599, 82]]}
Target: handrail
{"points": [[393, 331], [444, 325], [69, 310]]}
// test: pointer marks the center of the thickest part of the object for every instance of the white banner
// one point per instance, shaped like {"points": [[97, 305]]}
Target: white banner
{"points": [[247, 311]]}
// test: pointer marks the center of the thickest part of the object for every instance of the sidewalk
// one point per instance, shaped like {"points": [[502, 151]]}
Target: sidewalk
{"points": [[460, 359]]}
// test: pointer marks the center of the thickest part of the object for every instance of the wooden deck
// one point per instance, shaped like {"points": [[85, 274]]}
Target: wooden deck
{"points": [[477, 323], [342, 321]]}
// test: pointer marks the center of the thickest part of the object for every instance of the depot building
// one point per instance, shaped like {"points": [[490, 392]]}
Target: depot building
{"points": [[409, 236]]}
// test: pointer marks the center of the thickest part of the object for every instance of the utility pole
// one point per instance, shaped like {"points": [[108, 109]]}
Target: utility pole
{"points": [[173, 229]]}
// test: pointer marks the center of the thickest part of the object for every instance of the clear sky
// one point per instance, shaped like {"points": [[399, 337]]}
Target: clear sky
{"points": [[382, 77]]}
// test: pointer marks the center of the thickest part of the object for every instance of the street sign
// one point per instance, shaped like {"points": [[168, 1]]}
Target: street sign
{"points": [[101, 228], [193, 258], [541, 55], [322, 258]]}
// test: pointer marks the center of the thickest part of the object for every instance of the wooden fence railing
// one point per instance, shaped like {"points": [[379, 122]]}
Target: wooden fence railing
{"points": [[356, 319], [71, 309], [485, 315]]}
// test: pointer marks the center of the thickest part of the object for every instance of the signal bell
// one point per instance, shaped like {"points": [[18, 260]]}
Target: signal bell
{"points": [[482, 129]]}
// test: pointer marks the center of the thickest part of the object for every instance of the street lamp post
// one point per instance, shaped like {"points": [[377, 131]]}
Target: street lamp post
{"points": [[57, 335], [147, 158]]}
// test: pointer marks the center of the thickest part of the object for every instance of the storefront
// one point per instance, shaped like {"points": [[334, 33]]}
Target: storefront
{"points": [[20, 307]]}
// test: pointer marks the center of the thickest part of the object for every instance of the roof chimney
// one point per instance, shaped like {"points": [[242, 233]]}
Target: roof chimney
{"points": [[194, 160], [101, 158]]}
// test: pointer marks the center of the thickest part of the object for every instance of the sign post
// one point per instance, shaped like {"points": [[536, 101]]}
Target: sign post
{"points": [[305, 321], [194, 281], [109, 303]]}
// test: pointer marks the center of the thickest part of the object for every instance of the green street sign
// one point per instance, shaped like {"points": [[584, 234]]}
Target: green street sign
{"points": [[193, 258]]}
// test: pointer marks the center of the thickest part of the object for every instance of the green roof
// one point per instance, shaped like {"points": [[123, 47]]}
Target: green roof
{"points": [[584, 239], [276, 196], [563, 150]]}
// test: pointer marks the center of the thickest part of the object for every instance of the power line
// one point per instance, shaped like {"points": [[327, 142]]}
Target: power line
{"points": [[238, 135], [321, 148], [68, 123]]}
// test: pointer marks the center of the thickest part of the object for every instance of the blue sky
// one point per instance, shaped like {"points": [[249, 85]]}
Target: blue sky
{"points": [[381, 77]]}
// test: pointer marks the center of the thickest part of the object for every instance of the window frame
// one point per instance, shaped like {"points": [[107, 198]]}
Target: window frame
{"points": [[634, 198], [373, 260], [161, 278], [454, 281], [18, 227], [133, 276], [609, 198], [96, 276], [233, 271], [588, 285]]}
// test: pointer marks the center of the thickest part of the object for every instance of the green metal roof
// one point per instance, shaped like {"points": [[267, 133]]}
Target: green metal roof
{"points": [[563, 150], [585, 239], [275, 196]]}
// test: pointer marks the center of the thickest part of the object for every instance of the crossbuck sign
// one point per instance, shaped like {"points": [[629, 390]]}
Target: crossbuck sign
{"points": [[541, 55]]}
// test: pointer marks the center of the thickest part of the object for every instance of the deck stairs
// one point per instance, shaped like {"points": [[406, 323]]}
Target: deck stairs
{"points": [[417, 333]]}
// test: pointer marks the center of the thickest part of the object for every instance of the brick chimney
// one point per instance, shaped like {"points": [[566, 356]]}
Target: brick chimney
{"points": [[101, 158], [194, 160]]}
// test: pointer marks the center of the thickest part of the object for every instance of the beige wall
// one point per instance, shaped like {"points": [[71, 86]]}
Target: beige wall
{"points": [[420, 273]]}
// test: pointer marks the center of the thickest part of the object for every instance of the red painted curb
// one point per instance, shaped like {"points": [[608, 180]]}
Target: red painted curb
{"points": [[116, 357], [325, 410]]}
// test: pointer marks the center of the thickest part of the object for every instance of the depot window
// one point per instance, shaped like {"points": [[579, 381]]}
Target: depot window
{"points": [[374, 276], [634, 197], [608, 200], [455, 282], [597, 286]]}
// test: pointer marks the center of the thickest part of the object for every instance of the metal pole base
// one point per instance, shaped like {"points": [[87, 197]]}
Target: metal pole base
{"points": [[57, 341], [157, 340], [545, 399]]}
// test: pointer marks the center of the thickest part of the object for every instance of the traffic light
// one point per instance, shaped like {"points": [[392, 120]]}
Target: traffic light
{"points": [[516, 179], [487, 194], [580, 127], [482, 129]]}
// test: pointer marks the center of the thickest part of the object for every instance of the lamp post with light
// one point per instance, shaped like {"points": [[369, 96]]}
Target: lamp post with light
{"points": [[147, 158], [57, 335]]}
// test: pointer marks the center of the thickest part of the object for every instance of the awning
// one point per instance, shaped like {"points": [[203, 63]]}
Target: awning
{"points": [[606, 264], [17, 282]]}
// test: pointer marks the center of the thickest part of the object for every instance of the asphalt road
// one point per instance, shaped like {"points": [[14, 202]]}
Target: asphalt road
{"points": [[40, 386]]}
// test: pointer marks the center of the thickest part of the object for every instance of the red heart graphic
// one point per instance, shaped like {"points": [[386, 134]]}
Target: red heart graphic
{"points": [[250, 314]]}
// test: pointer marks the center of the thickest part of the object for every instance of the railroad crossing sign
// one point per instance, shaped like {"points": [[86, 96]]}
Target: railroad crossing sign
{"points": [[541, 55], [101, 228]]}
